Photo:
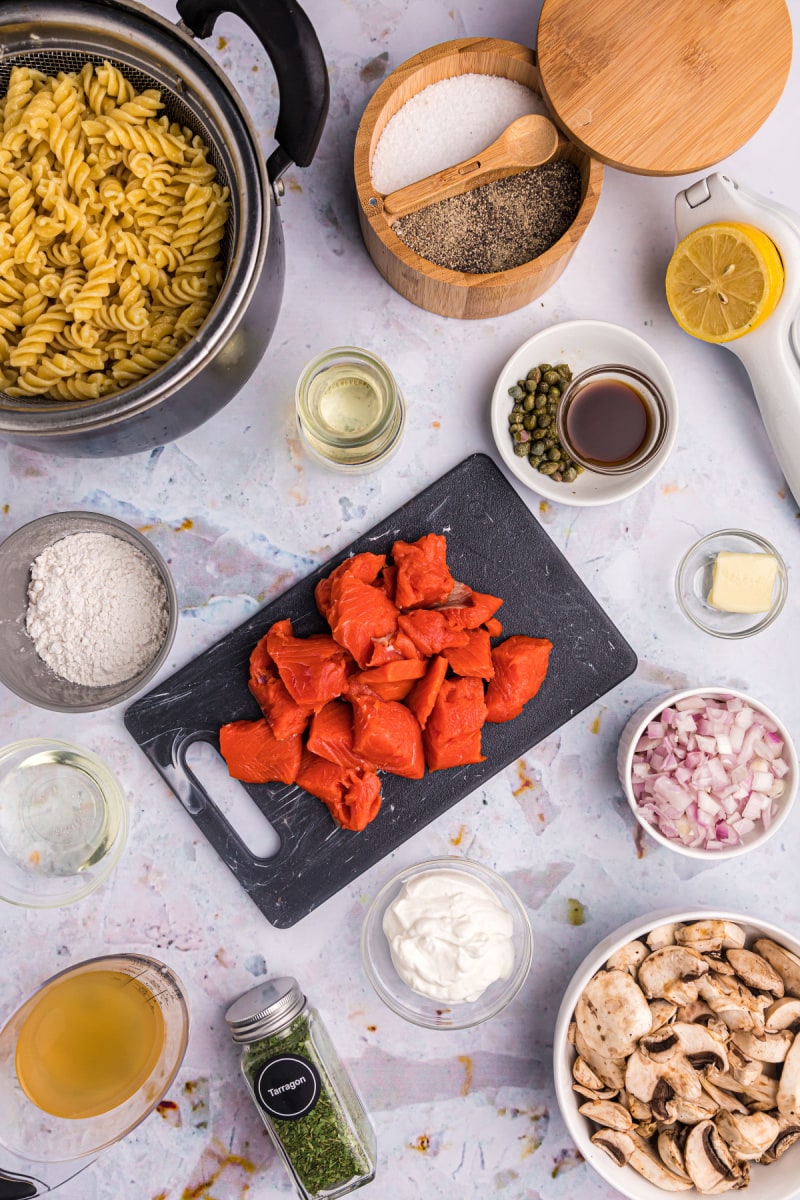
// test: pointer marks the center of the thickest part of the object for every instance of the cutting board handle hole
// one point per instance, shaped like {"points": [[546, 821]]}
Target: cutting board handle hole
{"points": [[229, 797]]}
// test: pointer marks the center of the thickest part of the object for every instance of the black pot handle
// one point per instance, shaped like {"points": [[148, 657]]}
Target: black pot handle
{"points": [[289, 39]]}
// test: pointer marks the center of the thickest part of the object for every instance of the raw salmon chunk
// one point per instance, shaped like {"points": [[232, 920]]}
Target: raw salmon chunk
{"points": [[473, 659], [314, 669], [520, 665], [330, 735], [366, 567], [395, 679], [430, 631], [285, 715], [255, 755], [423, 577], [493, 627], [476, 610], [386, 733], [422, 696], [392, 648], [453, 733], [358, 614], [351, 794]]}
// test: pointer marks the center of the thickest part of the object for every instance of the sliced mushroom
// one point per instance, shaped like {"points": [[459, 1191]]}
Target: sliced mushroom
{"points": [[610, 1070], [723, 1100], [769, 1047], [717, 963], [788, 1099], [783, 1014], [670, 1147], [627, 1148], [639, 1109], [612, 1014], [662, 1012], [662, 935], [709, 1162], [691, 1112], [628, 958], [672, 973], [747, 1136], [742, 1068], [695, 1042], [612, 1115], [656, 1082], [697, 1010], [711, 936], [735, 1004], [789, 1132], [785, 963], [755, 971]]}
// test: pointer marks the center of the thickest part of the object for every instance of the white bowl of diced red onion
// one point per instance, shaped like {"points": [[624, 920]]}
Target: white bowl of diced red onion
{"points": [[708, 772]]}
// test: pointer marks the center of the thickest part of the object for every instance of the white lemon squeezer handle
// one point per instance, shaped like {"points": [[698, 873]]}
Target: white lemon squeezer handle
{"points": [[771, 353]]}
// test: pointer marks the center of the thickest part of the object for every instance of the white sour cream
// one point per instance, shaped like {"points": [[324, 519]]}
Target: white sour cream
{"points": [[450, 937]]}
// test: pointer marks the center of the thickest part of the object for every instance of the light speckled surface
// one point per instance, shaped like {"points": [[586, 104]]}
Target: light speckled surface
{"points": [[241, 513]]}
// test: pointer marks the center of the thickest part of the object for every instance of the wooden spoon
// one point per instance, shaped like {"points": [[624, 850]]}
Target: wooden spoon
{"points": [[527, 142]]}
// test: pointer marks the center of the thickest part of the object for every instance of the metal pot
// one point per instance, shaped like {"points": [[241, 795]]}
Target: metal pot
{"points": [[61, 35]]}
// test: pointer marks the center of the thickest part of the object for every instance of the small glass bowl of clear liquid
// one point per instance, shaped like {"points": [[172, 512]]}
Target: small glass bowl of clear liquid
{"points": [[350, 411], [63, 823]]}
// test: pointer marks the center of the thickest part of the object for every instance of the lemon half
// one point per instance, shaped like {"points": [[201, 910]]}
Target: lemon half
{"points": [[723, 281]]}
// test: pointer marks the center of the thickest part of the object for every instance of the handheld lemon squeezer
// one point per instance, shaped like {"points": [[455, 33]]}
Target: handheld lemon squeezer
{"points": [[769, 348]]}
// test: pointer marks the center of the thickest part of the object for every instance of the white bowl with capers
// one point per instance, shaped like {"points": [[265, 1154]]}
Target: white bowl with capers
{"points": [[677, 1057]]}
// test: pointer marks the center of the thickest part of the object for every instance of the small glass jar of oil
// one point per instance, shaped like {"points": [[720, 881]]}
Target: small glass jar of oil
{"points": [[350, 411]]}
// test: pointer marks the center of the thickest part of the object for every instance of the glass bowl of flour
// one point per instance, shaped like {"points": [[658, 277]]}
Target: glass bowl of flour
{"points": [[88, 611]]}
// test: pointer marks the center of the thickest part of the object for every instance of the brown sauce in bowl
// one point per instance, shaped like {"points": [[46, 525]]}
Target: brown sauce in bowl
{"points": [[608, 422]]}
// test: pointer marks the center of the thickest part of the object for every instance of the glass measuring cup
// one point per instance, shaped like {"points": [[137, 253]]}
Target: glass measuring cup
{"points": [[62, 1102]]}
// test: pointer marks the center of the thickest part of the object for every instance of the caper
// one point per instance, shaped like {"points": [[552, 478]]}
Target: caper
{"points": [[528, 403], [530, 421], [548, 468], [564, 371], [544, 421], [549, 443], [512, 418], [516, 392], [557, 476], [537, 448], [540, 403], [545, 367], [570, 474], [554, 455], [552, 377], [554, 394], [535, 460], [530, 386], [542, 388], [522, 435], [518, 410], [515, 429], [520, 449], [535, 374]]}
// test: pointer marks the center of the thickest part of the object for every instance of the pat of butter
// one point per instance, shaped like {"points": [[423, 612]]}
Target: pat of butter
{"points": [[743, 583]]}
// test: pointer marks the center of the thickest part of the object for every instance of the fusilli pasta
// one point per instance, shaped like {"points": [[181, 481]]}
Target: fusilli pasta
{"points": [[111, 220]]}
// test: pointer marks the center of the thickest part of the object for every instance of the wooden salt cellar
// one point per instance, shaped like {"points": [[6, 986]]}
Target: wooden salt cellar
{"points": [[437, 289]]}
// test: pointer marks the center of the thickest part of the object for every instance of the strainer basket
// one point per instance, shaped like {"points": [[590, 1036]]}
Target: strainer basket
{"points": [[151, 52]]}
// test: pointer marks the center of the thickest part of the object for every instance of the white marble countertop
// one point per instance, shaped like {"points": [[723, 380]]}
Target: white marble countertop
{"points": [[241, 513]]}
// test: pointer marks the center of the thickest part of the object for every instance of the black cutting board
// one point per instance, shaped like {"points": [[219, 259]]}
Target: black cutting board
{"points": [[494, 544]]}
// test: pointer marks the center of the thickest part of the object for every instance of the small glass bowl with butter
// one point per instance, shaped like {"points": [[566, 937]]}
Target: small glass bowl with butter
{"points": [[350, 411], [732, 583], [451, 928]]}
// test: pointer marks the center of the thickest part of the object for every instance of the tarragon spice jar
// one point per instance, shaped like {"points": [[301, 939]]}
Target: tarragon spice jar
{"points": [[301, 1088]]}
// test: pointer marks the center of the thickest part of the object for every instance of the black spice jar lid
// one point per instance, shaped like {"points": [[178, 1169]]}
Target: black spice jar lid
{"points": [[666, 87], [265, 1009]]}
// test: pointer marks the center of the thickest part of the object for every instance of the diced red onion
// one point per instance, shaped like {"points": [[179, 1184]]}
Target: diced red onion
{"points": [[708, 773]]}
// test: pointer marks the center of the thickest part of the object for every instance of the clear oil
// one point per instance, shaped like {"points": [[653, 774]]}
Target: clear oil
{"points": [[349, 409], [54, 816]]}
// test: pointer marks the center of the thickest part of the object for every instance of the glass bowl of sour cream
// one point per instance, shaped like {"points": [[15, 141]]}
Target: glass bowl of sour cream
{"points": [[447, 943]]}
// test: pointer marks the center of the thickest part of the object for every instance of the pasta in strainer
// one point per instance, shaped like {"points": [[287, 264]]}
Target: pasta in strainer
{"points": [[111, 221]]}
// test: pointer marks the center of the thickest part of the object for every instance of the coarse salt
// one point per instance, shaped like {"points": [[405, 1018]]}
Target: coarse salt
{"points": [[446, 123]]}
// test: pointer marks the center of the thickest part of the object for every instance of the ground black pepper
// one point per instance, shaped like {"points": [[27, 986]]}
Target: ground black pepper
{"points": [[500, 225]]}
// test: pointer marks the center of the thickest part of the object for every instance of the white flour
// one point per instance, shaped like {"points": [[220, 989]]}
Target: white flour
{"points": [[97, 609]]}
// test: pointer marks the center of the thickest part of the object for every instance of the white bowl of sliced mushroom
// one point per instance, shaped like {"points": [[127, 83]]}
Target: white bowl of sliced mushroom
{"points": [[677, 1057]]}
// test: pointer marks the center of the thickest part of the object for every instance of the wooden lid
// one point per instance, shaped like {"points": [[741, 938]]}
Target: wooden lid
{"points": [[663, 87]]}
